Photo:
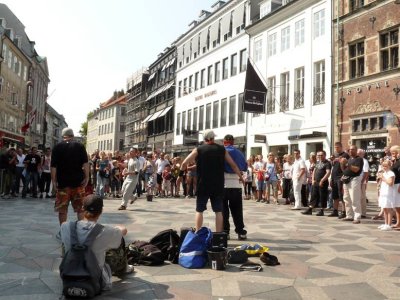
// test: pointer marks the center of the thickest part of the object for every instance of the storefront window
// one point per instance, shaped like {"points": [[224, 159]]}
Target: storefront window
{"points": [[374, 151]]}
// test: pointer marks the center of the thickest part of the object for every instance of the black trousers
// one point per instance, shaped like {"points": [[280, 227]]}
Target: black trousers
{"points": [[319, 195], [233, 202], [44, 184], [286, 188], [304, 200]]}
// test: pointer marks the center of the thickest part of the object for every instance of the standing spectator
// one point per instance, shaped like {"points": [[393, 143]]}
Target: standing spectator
{"points": [[69, 174], [130, 182], [287, 178], [210, 158], [115, 179], [395, 152], [46, 174], [149, 169], [191, 180], [259, 169], [387, 194], [248, 176], [352, 189], [103, 174], [175, 174], [271, 178], [94, 157], [166, 185], [18, 172], [320, 184], [233, 201], [160, 165], [32, 164], [336, 182], [310, 165], [9, 162], [299, 179], [364, 183], [141, 161]]}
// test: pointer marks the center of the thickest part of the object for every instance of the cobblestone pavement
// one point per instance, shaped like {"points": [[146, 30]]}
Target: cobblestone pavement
{"points": [[321, 257]]}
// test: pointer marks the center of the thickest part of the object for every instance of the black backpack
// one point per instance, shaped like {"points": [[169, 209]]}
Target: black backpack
{"points": [[79, 269], [144, 253], [168, 242], [116, 259]]}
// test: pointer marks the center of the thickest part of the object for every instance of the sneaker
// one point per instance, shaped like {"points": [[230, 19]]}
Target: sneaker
{"points": [[320, 213], [258, 200], [381, 226], [48, 196], [386, 228], [307, 212], [129, 269], [342, 215], [242, 237], [133, 200], [122, 207]]}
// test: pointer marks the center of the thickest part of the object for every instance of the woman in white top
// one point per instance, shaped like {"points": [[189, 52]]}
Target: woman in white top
{"points": [[287, 178], [387, 194]]}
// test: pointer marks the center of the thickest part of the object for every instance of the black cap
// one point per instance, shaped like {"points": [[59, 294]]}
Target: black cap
{"points": [[229, 137], [93, 204]]}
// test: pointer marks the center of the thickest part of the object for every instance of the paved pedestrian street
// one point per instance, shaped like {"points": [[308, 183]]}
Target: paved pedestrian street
{"points": [[321, 257]]}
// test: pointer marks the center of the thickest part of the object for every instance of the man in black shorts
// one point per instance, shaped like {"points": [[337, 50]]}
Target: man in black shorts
{"points": [[336, 183], [320, 178], [210, 158]]}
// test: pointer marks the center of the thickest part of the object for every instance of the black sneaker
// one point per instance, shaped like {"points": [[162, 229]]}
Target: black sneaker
{"points": [[320, 213], [342, 215], [307, 212], [242, 236], [122, 207], [334, 213]]}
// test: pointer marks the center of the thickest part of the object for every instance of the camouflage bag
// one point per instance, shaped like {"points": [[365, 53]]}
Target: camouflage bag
{"points": [[117, 259]]}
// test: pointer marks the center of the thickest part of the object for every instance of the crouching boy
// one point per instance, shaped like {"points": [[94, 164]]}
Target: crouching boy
{"points": [[103, 238]]}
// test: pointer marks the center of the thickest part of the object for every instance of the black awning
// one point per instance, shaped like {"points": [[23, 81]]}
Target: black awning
{"points": [[254, 91]]}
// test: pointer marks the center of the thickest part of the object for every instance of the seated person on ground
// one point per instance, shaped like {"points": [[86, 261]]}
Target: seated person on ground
{"points": [[109, 238]]}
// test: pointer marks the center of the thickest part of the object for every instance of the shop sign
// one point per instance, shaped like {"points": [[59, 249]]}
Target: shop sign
{"points": [[260, 138], [208, 94], [376, 85]]}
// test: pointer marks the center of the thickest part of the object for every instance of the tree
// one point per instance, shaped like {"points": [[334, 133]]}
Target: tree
{"points": [[83, 131]]}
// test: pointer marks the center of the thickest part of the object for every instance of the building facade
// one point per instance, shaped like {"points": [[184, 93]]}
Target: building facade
{"points": [[298, 102], [367, 76], [160, 101], [106, 126], [135, 134], [13, 89], [35, 76], [211, 65], [55, 123]]}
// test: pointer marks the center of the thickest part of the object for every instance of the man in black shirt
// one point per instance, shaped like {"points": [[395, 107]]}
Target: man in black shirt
{"points": [[210, 158], [352, 185], [70, 175], [32, 163], [336, 183], [8, 161], [320, 184]]}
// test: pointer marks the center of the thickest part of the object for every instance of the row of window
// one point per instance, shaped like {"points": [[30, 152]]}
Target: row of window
{"points": [[368, 124], [388, 52], [106, 128], [109, 113], [283, 99], [11, 94], [14, 63], [215, 73], [219, 113], [162, 124], [105, 145], [299, 36]]}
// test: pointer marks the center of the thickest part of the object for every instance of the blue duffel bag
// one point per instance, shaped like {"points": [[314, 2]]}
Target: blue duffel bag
{"points": [[193, 252]]}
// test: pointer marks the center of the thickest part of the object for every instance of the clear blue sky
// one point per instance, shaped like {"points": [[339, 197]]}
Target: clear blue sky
{"points": [[93, 46]]}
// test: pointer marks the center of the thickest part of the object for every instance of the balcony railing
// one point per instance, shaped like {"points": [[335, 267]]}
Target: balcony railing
{"points": [[298, 99], [270, 106], [319, 96], [284, 103]]}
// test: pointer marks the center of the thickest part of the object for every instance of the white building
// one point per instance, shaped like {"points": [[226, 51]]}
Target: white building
{"points": [[211, 65], [291, 49], [108, 126]]}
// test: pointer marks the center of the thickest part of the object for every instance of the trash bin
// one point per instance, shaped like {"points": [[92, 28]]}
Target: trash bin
{"points": [[217, 257]]}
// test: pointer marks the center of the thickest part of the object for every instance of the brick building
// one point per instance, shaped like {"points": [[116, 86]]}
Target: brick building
{"points": [[366, 80]]}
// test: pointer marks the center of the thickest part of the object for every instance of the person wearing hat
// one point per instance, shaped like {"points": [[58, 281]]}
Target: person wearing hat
{"points": [[210, 158], [233, 200], [109, 238], [69, 174]]}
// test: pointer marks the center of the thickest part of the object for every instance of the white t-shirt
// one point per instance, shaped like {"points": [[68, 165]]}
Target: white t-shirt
{"points": [[160, 164], [297, 166], [133, 166], [365, 168], [141, 161], [287, 170], [109, 238], [259, 165]]}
